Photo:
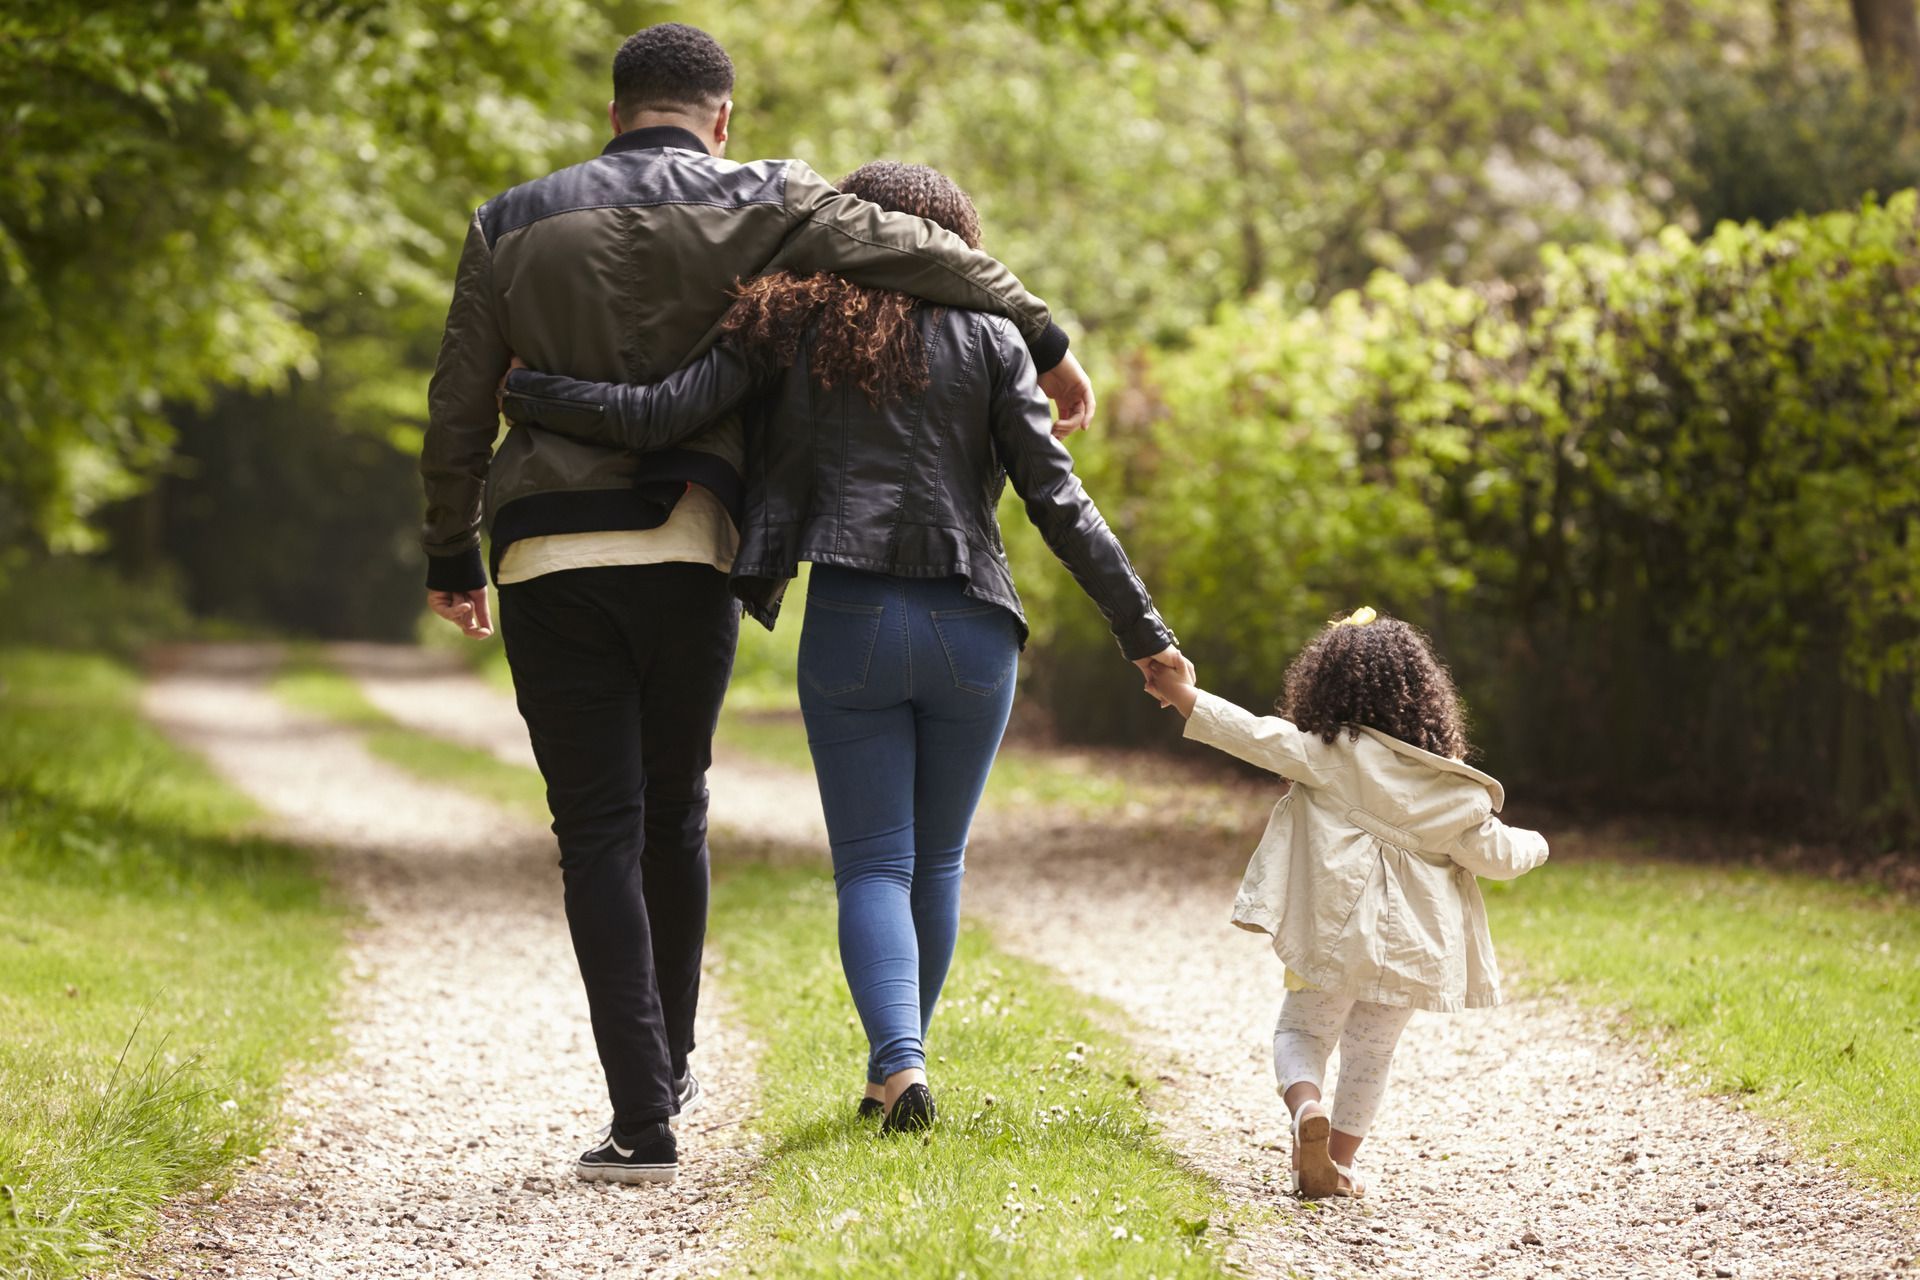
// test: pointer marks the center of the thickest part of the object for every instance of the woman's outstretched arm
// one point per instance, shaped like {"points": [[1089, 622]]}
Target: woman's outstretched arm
{"points": [[1041, 470], [621, 415]]}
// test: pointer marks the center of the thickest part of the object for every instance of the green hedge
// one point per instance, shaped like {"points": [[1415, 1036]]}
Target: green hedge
{"points": [[1660, 509]]}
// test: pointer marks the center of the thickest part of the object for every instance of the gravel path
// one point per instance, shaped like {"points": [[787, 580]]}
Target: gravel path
{"points": [[1525, 1141], [441, 1141], [1522, 1141]]}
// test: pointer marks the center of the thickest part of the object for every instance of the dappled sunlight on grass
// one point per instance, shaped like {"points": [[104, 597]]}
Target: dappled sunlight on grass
{"points": [[1044, 1162]]}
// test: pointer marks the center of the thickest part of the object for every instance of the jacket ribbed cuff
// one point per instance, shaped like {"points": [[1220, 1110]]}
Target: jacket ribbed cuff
{"points": [[461, 571], [1049, 349], [1145, 638]]}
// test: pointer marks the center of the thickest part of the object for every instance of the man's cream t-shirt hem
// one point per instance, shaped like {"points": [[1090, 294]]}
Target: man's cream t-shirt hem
{"points": [[698, 532]]}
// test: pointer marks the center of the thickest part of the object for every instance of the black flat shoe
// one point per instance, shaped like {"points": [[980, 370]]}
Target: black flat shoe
{"points": [[912, 1111], [870, 1107]]}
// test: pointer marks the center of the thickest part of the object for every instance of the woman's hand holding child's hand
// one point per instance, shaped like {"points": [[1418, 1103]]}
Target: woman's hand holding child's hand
{"points": [[1174, 687], [1169, 659]]}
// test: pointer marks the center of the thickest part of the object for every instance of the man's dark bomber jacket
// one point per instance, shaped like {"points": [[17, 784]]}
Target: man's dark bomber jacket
{"points": [[619, 270]]}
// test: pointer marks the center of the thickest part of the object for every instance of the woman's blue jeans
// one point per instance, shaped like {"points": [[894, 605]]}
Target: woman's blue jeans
{"points": [[906, 684]]}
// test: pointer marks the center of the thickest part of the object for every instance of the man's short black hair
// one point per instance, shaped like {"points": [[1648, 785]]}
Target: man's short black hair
{"points": [[670, 67]]}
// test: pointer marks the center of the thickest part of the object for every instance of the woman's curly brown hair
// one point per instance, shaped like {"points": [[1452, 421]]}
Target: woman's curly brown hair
{"points": [[855, 335], [1382, 675]]}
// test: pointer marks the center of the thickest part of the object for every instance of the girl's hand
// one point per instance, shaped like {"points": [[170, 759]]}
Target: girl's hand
{"points": [[1170, 679]]}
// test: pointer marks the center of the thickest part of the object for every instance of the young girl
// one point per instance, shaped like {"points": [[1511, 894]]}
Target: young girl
{"points": [[1365, 877]]}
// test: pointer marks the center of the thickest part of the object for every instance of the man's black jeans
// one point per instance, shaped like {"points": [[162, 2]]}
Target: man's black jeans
{"points": [[619, 674]]}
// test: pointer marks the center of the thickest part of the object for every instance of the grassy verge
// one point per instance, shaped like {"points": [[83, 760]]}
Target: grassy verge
{"points": [[1045, 1163], [1796, 994], [158, 972]]}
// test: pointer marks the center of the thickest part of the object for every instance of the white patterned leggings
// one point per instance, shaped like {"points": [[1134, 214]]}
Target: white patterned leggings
{"points": [[1312, 1023]]}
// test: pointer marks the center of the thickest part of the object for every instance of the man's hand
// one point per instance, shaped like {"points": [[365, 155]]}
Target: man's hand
{"points": [[1067, 385], [467, 610], [1164, 670]]}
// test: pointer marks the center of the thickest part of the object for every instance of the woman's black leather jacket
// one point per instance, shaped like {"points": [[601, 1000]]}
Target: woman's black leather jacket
{"points": [[910, 487]]}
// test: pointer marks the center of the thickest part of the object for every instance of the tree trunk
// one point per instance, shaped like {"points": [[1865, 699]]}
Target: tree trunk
{"points": [[1253, 254], [1889, 34], [1785, 34]]}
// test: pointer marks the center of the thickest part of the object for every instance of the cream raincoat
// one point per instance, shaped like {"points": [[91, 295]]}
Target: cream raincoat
{"points": [[1365, 876]]}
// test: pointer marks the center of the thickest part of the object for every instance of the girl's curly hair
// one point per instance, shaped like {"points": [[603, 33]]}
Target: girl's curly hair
{"points": [[1382, 675], [855, 335]]}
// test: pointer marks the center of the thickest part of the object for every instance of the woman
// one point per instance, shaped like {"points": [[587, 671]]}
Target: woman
{"points": [[881, 431]]}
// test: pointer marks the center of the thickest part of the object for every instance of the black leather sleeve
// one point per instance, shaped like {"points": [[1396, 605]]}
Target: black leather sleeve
{"points": [[639, 418], [1041, 471], [462, 421]]}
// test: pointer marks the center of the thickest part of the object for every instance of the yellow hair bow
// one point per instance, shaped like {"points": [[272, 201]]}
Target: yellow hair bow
{"points": [[1359, 617]]}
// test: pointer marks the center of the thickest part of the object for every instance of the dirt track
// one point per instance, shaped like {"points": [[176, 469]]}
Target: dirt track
{"points": [[441, 1141], [1522, 1142]]}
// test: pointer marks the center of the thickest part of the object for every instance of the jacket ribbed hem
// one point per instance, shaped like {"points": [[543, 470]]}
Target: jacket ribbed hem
{"points": [[1050, 348], [1144, 638], [539, 515], [461, 571]]}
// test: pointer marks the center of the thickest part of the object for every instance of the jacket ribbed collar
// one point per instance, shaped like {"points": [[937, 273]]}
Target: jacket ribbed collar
{"points": [[654, 137]]}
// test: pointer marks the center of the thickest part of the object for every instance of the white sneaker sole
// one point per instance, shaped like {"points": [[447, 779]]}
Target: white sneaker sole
{"points": [[632, 1174]]}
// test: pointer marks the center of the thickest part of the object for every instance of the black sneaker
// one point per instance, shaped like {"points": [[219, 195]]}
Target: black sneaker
{"points": [[688, 1089], [912, 1111], [649, 1156], [870, 1107]]}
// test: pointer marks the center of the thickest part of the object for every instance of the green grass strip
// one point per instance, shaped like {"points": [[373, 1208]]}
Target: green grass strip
{"points": [[159, 972], [1045, 1163], [1800, 994]]}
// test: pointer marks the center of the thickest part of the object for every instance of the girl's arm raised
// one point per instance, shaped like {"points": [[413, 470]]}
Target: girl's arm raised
{"points": [[1274, 744]]}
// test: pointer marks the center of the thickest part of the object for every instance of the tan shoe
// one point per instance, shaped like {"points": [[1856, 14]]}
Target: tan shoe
{"points": [[1315, 1175]]}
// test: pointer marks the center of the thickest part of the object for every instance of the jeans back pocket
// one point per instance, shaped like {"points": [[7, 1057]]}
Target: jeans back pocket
{"points": [[836, 645], [981, 645]]}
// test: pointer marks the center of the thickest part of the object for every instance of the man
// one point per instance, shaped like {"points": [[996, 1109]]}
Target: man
{"points": [[618, 621]]}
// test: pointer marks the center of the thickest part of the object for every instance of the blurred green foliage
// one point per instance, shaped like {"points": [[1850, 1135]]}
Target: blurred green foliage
{"points": [[1662, 508], [221, 193], [211, 193], [1384, 298], [73, 602], [1768, 143]]}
